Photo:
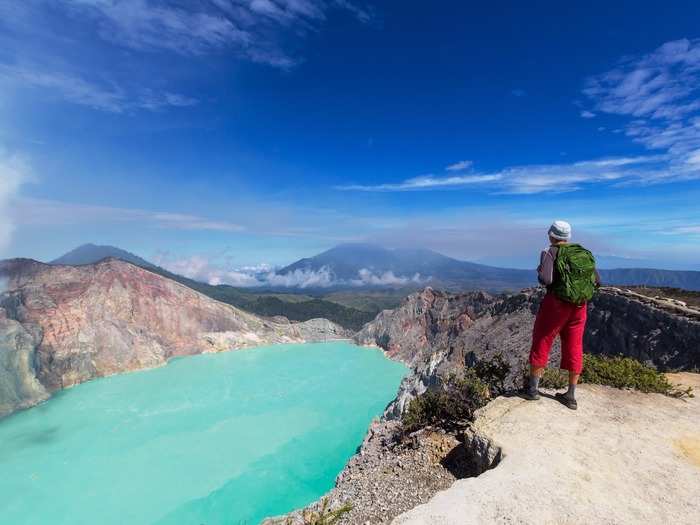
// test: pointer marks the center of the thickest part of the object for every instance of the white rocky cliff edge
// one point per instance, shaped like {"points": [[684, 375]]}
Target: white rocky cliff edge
{"points": [[623, 458]]}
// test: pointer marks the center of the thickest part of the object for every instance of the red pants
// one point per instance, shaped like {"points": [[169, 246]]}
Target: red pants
{"points": [[559, 318]]}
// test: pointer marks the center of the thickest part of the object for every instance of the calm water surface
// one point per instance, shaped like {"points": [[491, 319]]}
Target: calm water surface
{"points": [[212, 439]]}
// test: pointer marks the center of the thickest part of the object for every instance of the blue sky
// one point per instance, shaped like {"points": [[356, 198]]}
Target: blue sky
{"points": [[210, 135]]}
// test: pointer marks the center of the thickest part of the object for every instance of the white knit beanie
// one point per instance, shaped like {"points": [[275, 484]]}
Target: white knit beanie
{"points": [[560, 230]]}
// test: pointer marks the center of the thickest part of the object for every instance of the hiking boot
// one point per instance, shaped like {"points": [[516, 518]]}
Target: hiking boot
{"points": [[530, 395], [568, 402]]}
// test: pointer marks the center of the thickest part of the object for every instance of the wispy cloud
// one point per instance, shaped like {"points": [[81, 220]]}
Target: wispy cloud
{"points": [[70, 88], [693, 229], [192, 222], [660, 93], [529, 179], [257, 31], [460, 166], [195, 28], [14, 172], [76, 90], [40, 212], [425, 182], [149, 25]]}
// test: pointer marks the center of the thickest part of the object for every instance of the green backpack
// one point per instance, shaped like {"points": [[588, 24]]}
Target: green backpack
{"points": [[575, 279]]}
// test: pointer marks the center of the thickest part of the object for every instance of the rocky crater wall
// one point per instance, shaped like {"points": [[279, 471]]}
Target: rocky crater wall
{"points": [[63, 325], [436, 333]]}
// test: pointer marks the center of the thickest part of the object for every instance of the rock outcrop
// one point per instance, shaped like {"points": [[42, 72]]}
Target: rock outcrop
{"points": [[19, 387], [623, 458], [63, 325], [437, 333]]}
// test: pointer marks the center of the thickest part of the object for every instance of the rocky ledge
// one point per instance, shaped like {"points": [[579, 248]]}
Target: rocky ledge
{"points": [[623, 458], [62, 325]]}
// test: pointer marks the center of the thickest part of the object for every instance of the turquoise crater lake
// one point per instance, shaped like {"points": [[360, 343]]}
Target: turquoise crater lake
{"points": [[206, 440]]}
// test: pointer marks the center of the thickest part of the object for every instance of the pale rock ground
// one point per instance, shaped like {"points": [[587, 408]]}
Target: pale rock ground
{"points": [[623, 458]]}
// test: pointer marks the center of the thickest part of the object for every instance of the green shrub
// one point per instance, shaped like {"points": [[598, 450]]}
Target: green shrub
{"points": [[625, 372], [494, 373], [554, 378], [425, 409], [451, 407]]}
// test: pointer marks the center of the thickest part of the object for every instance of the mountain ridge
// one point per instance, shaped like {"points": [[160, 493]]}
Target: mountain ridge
{"points": [[364, 266], [90, 253]]}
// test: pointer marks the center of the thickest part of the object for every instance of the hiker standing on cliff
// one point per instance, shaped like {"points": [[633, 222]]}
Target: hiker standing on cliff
{"points": [[568, 271]]}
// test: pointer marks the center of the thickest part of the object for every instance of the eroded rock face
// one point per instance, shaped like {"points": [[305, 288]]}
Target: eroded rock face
{"points": [[436, 333], [97, 320], [19, 387]]}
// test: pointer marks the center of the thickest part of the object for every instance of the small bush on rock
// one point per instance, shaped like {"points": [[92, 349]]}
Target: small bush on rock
{"points": [[625, 372], [554, 378], [494, 373], [452, 407]]}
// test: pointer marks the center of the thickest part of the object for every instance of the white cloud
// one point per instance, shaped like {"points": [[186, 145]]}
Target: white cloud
{"points": [[195, 28], [207, 270], [155, 101], [14, 172], [258, 31], [685, 230], [460, 166], [661, 84], [322, 278], [180, 221], [660, 92], [204, 269], [367, 277], [79, 91], [72, 89], [148, 25], [534, 178], [40, 212], [425, 182], [201, 269]]}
